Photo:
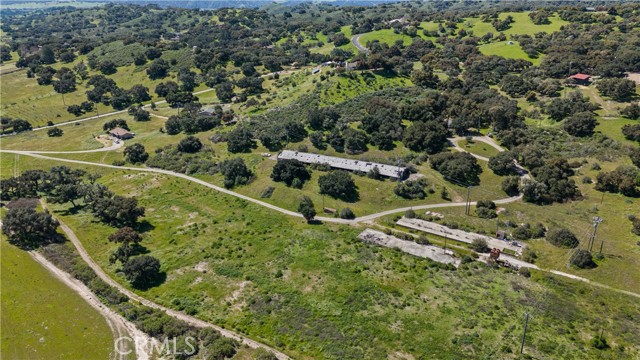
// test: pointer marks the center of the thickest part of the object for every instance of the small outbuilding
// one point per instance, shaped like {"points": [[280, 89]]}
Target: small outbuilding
{"points": [[582, 79], [121, 133]]}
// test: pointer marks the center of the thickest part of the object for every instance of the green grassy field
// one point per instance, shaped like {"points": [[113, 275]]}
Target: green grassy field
{"points": [[385, 36], [44, 319], [314, 291], [522, 24], [613, 129], [341, 88], [478, 148], [509, 51]]}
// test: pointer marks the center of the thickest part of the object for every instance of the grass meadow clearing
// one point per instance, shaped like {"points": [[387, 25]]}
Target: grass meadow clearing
{"points": [[42, 318], [315, 291]]}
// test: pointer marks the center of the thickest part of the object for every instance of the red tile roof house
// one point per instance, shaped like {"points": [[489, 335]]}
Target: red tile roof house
{"points": [[582, 79], [121, 133]]}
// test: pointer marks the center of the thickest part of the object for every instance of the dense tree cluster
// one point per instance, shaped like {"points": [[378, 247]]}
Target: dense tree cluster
{"points": [[171, 158], [617, 89], [290, 171], [338, 184], [15, 125], [412, 189], [28, 229], [624, 180], [235, 172], [240, 140], [503, 163], [62, 184], [458, 167], [551, 183]]}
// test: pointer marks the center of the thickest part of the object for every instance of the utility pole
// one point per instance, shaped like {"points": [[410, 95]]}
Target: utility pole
{"points": [[468, 205], [524, 334], [596, 221]]}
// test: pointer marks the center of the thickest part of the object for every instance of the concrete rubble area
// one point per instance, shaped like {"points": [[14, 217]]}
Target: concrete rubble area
{"points": [[424, 251]]}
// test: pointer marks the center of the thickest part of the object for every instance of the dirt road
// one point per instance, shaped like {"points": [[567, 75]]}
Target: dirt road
{"points": [[365, 218], [120, 326], [175, 314]]}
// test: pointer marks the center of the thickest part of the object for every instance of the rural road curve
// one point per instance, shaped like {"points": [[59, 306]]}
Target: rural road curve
{"points": [[104, 115], [113, 146], [355, 40], [145, 106], [175, 314], [483, 139], [118, 324], [256, 201]]}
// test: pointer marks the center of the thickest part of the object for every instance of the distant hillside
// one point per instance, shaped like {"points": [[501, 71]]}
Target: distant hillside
{"points": [[198, 4]]}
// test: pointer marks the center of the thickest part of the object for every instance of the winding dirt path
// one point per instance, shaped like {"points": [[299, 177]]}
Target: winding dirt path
{"points": [[120, 326], [175, 314], [256, 201]]}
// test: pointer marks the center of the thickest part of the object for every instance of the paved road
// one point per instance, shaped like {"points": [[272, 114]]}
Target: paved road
{"points": [[355, 40], [175, 314]]}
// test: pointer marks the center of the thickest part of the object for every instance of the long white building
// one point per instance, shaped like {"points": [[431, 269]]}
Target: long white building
{"points": [[394, 172]]}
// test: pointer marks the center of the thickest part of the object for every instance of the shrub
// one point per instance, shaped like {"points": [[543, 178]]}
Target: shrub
{"points": [[486, 209], [582, 259], [306, 208], [562, 237], [411, 189], [55, 132], [524, 271], [135, 153], [410, 214], [347, 213], [599, 342], [190, 144], [529, 255], [480, 245]]}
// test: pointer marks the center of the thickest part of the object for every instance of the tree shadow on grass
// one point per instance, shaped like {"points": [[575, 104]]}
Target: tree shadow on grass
{"points": [[151, 283], [143, 226]]}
